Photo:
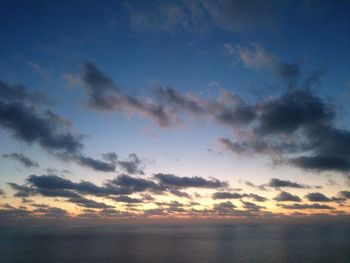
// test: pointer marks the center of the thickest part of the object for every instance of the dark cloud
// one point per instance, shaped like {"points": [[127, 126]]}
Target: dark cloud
{"points": [[302, 108], [88, 203], [252, 207], [178, 100], [19, 93], [229, 109], [103, 94], [170, 180], [226, 195], [50, 212], [308, 133], [12, 212], [110, 157], [55, 186], [232, 146], [309, 126], [322, 163], [224, 208], [277, 183], [296, 127], [258, 187], [55, 193], [257, 198], [132, 165], [109, 212], [51, 182], [287, 197], [126, 184], [172, 207], [26, 161], [155, 212], [95, 164], [317, 197], [2, 192], [230, 195], [345, 194], [22, 190], [127, 199], [228, 209], [27, 125], [51, 131], [179, 193], [306, 206], [288, 72]]}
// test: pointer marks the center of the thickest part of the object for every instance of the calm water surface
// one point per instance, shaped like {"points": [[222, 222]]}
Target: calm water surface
{"points": [[177, 243]]}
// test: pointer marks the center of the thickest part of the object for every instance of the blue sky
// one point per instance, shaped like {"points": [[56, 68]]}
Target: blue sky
{"points": [[233, 92]]}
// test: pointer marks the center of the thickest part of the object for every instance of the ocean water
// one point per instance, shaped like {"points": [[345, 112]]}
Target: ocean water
{"points": [[177, 243]]}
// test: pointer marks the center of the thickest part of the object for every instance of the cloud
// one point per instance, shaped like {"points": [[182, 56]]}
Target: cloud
{"points": [[26, 161], [27, 125], [50, 212], [304, 111], [19, 93], [307, 139], [22, 190], [94, 164], [2, 192], [51, 131], [226, 195], [323, 163], [170, 180], [179, 193], [127, 185], [132, 165], [252, 207], [155, 212], [257, 198], [55, 186], [224, 208], [127, 199], [256, 57], [14, 213], [306, 206], [180, 101], [345, 194], [104, 94], [109, 212], [230, 195], [317, 197], [201, 17], [287, 197], [227, 109], [258, 187], [278, 183], [88, 203]]}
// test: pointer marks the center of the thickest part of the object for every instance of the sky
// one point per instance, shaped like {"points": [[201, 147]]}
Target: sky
{"points": [[201, 110]]}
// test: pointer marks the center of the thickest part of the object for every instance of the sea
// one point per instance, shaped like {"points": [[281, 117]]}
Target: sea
{"points": [[189, 243]]}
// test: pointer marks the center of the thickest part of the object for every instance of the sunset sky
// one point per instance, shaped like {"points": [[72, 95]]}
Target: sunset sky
{"points": [[174, 109]]}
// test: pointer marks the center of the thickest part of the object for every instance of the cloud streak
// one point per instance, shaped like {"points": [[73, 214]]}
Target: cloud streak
{"points": [[24, 160]]}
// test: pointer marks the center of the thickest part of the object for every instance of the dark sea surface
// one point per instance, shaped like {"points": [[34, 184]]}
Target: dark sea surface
{"points": [[177, 243]]}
